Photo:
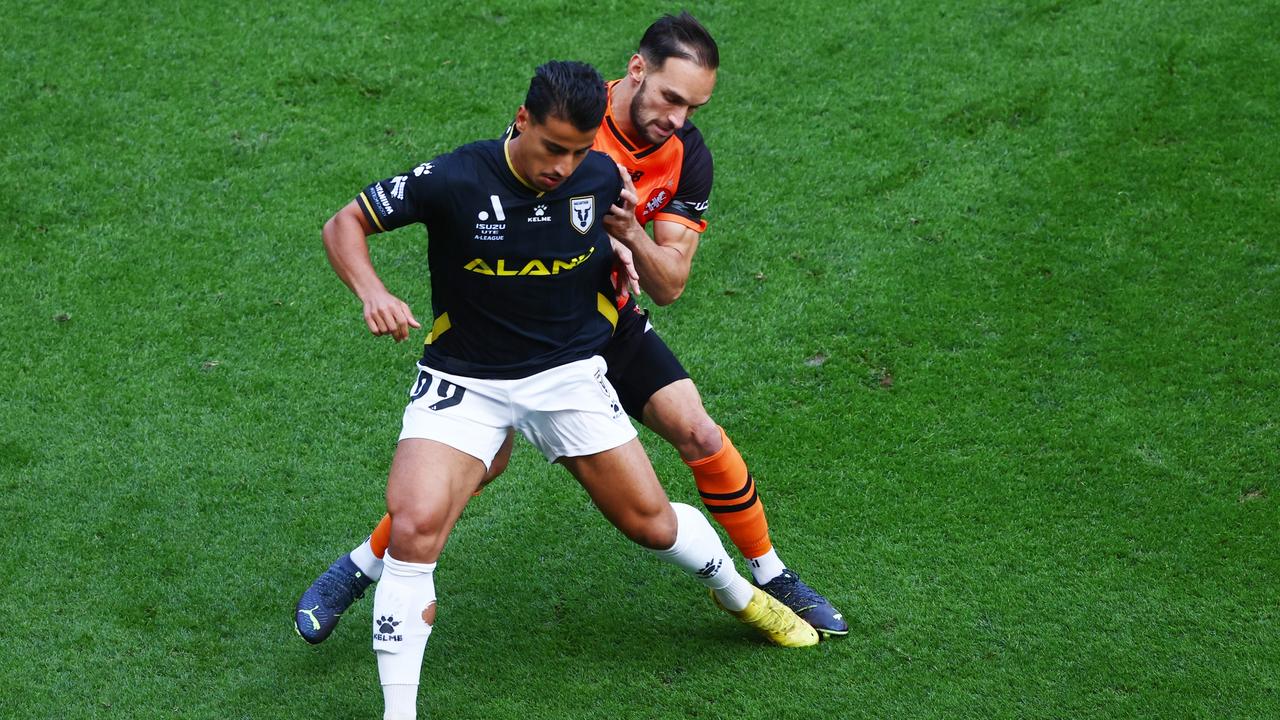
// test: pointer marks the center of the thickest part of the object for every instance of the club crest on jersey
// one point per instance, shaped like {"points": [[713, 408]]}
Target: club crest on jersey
{"points": [[582, 213]]}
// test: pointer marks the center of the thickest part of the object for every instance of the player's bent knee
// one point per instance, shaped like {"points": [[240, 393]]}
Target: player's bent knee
{"points": [[702, 439], [416, 536], [708, 436], [654, 530]]}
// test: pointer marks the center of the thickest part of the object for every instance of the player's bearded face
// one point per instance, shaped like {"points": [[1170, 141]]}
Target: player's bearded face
{"points": [[644, 118], [668, 97]]}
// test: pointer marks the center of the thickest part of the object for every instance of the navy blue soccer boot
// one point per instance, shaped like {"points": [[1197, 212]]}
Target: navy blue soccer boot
{"points": [[807, 603], [322, 605]]}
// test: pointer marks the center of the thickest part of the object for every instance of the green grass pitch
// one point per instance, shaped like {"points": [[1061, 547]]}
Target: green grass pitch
{"points": [[990, 301]]}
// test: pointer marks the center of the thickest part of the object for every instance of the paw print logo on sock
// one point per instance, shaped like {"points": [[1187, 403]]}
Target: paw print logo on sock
{"points": [[387, 624], [710, 569]]}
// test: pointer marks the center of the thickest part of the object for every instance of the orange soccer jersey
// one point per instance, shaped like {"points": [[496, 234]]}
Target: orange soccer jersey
{"points": [[673, 179]]}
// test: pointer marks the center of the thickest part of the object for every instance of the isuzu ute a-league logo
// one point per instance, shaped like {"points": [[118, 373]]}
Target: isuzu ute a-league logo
{"points": [[498, 213], [491, 231], [582, 213]]}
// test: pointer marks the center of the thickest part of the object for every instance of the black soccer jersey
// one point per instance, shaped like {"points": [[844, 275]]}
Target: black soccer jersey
{"points": [[519, 279]]}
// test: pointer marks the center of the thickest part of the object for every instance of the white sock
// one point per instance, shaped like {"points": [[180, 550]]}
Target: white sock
{"points": [[400, 702], [369, 564], [699, 552], [400, 633], [766, 567]]}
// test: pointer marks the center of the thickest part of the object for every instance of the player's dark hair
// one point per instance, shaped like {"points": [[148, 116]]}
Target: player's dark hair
{"points": [[679, 36], [571, 91]]}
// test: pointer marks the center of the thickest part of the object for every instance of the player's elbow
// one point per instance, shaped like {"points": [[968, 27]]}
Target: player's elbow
{"points": [[345, 225], [667, 294], [329, 233]]}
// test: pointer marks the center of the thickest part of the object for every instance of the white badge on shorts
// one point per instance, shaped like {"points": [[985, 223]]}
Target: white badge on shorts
{"points": [[582, 213], [607, 389]]}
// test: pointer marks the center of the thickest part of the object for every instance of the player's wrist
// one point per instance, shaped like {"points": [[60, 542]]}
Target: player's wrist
{"points": [[368, 287], [633, 237]]}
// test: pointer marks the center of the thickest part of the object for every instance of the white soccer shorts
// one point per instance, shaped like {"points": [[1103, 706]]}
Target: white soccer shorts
{"points": [[567, 411]]}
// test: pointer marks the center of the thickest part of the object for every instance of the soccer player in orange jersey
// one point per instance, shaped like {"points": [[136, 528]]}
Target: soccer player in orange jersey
{"points": [[668, 176]]}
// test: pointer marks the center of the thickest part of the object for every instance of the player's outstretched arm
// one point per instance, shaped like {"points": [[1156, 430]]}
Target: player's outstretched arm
{"points": [[626, 279], [663, 261], [348, 249]]}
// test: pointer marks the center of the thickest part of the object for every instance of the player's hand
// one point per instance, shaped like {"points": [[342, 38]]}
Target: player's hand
{"points": [[386, 314], [628, 196], [621, 222], [625, 278]]}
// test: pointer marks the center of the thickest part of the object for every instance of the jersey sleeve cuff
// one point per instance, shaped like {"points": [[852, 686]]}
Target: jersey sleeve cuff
{"points": [[694, 225], [367, 208]]}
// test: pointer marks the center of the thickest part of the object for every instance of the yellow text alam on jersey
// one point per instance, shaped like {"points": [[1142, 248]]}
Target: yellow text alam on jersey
{"points": [[512, 268]]}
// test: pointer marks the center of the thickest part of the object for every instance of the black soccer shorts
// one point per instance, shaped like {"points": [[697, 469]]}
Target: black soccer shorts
{"points": [[640, 363]]}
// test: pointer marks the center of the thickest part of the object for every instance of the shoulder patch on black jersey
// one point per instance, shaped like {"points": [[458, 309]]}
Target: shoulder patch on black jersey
{"points": [[582, 213]]}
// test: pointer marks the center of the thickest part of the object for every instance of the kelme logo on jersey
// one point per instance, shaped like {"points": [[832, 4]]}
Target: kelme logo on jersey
{"points": [[582, 213], [540, 215], [507, 267]]}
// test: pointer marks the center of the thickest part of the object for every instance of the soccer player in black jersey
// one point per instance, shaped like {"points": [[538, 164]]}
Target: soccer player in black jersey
{"points": [[522, 303], [647, 129]]}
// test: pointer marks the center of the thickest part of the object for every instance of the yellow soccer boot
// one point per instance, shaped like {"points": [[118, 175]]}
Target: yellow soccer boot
{"points": [[773, 620]]}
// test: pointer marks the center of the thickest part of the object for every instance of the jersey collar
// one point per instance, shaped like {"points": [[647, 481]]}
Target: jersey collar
{"points": [[506, 153]]}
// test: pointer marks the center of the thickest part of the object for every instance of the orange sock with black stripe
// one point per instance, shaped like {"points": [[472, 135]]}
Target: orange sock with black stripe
{"points": [[729, 492]]}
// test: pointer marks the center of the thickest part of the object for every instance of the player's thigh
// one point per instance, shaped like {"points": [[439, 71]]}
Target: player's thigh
{"points": [[640, 362], [656, 389], [453, 428], [676, 413], [500, 461], [427, 489], [623, 485], [573, 416]]}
